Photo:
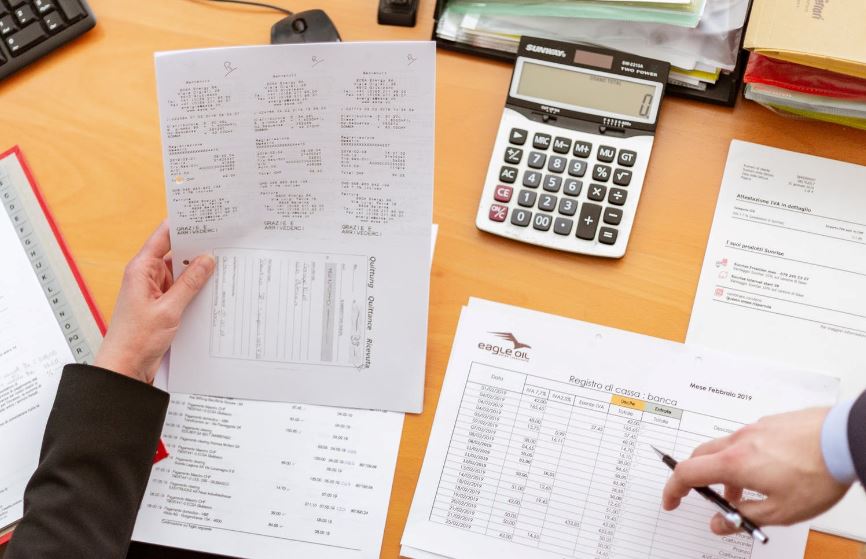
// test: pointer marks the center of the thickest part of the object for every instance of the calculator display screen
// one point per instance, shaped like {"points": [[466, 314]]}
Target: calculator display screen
{"points": [[588, 90]]}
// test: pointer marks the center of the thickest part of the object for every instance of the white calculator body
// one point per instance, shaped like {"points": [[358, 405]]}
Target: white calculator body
{"points": [[573, 147]]}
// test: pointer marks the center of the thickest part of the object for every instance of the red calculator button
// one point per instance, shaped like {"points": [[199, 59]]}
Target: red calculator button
{"points": [[502, 193], [497, 212]]}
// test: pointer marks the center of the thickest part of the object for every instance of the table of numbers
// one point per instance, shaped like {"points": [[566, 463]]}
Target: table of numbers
{"points": [[569, 469]]}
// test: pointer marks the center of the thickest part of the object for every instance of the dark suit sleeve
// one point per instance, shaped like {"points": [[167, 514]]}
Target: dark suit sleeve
{"points": [[96, 456], [857, 436]]}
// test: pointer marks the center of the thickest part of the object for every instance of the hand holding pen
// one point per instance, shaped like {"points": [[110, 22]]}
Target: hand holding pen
{"points": [[729, 512], [779, 456]]}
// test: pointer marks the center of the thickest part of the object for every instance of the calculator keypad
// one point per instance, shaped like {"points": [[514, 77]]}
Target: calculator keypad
{"points": [[572, 187], [542, 222], [513, 155], [617, 196], [587, 223], [605, 154], [503, 193], [600, 173], [567, 206], [622, 177], [577, 168], [612, 216], [582, 149], [561, 145], [552, 183], [550, 195], [531, 179], [497, 212], [526, 198], [536, 160], [556, 164], [596, 192], [607, 235], [521, 218], [562, 226], [626, 158], [547, 202], [518, 136], [541, 141]]}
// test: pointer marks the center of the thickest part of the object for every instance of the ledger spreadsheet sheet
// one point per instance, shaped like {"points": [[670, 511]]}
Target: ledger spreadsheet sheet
{"points": [[542, 442], [570, 470]]}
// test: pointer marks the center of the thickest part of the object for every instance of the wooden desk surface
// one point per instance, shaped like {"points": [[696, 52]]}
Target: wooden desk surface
{"points": [[86, 118]]}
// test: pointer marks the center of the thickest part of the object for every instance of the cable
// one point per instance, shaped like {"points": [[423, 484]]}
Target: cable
{"points": [[257, 4]]}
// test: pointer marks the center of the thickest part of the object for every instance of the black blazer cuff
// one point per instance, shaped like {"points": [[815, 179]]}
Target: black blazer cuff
{"points": [[857, 436], [90, 392]]}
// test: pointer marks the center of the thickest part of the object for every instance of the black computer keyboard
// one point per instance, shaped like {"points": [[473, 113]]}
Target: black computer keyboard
{"points": [[30, 29]]}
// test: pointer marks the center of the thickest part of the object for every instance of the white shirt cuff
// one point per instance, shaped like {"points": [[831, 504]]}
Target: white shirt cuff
{"points": [[834, 443]]}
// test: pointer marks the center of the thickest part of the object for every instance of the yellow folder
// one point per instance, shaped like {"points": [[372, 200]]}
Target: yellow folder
{"points": [[828, 34]]}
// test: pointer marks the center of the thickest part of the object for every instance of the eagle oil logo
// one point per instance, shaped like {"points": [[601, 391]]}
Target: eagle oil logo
{"points": [[513, 348]]}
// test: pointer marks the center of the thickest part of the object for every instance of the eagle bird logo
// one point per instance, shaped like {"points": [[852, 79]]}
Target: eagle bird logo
{"points": [[510, 337]]}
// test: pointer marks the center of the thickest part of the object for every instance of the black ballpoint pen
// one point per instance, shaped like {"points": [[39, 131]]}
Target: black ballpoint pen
{"points": [[729, 511]]}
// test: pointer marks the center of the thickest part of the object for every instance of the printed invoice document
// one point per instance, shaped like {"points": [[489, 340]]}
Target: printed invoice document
{"points": [[784, 276], [33, 350], [268, 480], [540, 447], [327, 475], [306, 170], [46, 321]]}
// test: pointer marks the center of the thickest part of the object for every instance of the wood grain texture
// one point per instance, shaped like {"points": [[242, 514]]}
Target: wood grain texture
{"points": [[86, 118]]}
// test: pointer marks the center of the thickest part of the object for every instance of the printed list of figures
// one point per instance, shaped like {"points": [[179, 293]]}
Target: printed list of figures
{"points": [[324, 158], [570, 470]]}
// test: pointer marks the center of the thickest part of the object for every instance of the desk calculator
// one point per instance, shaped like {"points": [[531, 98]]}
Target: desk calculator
{"points": [[572, 148]]}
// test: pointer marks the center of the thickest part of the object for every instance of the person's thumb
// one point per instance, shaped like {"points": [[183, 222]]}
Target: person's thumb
{"points": [[189, 283]]}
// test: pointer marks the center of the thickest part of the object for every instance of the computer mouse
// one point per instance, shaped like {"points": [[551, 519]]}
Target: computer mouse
{"points": [[311, 26]]}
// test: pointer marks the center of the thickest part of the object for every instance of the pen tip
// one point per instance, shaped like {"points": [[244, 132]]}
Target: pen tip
{"points": [[659, 452]]}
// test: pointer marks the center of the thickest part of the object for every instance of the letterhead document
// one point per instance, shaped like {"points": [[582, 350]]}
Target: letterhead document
{"points": [[540, 447], [307, 171], [784, 276]]}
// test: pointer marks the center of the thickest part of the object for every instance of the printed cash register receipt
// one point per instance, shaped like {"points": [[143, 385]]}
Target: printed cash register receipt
{"points": [[47, 319], [540, 446], [784, 276], [307, 171]]}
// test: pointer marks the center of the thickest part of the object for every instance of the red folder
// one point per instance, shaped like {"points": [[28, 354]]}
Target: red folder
{"points": [[161, 451], [804, 79]]}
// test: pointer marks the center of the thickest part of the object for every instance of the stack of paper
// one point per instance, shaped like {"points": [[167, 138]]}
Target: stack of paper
{"points": [[820, 34], [784, 276], [306, 171], [292, 479], [700, 38], [809, 62], [540, 446], [265, 480]]}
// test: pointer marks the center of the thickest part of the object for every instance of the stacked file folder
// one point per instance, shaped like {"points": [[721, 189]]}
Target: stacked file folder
{"points": [[806, 92], [809, 63], [700, 38]]}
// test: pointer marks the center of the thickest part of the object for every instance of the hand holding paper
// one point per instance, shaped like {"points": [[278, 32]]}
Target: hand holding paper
{"points": [[149, 308]]}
